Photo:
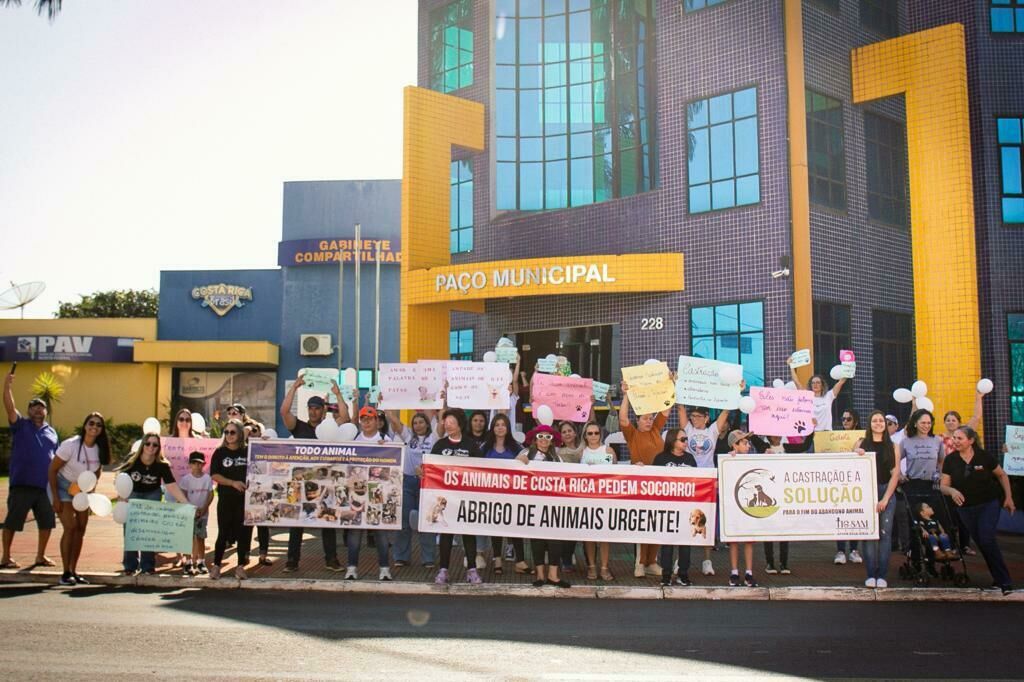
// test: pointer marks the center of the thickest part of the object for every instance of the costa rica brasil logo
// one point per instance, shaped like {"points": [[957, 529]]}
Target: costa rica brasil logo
{"points": [[221, 298], [756, 493]]}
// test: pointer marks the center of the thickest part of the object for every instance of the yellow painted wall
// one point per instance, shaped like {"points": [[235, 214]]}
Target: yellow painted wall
{"points": [[930, 69], [122, 391]]}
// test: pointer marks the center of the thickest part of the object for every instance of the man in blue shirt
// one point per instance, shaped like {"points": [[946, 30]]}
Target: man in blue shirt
{"points": [[33, 444]]}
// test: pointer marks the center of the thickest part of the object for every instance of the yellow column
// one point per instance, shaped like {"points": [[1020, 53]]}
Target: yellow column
{"points": [[930, 69]]}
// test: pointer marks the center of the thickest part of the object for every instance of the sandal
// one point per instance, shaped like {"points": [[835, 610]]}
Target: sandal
{"points": [[606, 574], [46, 562], [522, 567], [10, 563], [591, 573], [266, 561]]}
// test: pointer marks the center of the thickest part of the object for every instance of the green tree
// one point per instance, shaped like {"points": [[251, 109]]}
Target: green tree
{"points": [[115, 303], [49, 388], [50, 7]]}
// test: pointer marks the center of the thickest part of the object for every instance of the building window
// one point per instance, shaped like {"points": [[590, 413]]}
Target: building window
{"points": [[451, 46], [828, 4], [694, 5], [1015, 332], [461, 220], [1010, 154], [826, 159], [722, 151], [732, 332], [831, 335], [1007, 16], [460, 344], [567, 134], [893, 347], [886, 148], [881, 16]]}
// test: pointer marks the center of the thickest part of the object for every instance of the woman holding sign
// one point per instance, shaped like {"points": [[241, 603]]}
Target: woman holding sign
{"points": [[823, 397], [975, 482], [887, 467], [500, 444], [541, 444], [419, 438], [596, 452], [228, 468]]}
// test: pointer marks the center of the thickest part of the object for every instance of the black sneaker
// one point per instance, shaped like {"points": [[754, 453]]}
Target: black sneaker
{"points": [[734, 580], [80, 579], [1007, 589], [291, 567], [770, 569], [748, 580], [784, 570], [335, 565], [682, 580], [66, 579], [666, 582]]}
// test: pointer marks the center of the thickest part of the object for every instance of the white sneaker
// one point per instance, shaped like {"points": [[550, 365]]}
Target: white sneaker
{"points": [[855, 557], [653, 570], [351, 573], [481, 561], [870, 582], [638, 571], [385, 574], [840, 558], [706, 568], [881, 583]]}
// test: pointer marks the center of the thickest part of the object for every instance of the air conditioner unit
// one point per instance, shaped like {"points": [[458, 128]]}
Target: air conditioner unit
{"points": [[315, 344]]}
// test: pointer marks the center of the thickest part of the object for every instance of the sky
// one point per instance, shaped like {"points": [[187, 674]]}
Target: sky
{"points": [[145, 136]]}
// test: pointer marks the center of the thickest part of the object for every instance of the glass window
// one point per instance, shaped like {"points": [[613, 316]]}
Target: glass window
{"points": [[826, 158], [881, 16], [210, 393], [731, 332], [460, 344], [1011, 155], [461, 217], [832, 334], [451, 46], [893, 346], [694, 5], [1015, 332], [1007, 16], [722, 151], [886, 150], [589, 138]]}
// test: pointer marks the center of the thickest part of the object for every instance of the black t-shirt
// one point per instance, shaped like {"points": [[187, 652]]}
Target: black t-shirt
{"points": [[975, 481], [303, 430], [148, 478], [232, 465], [885, 459], [463, 448], [667, 459]]}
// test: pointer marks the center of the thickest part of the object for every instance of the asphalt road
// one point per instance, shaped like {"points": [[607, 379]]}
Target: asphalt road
{"points": [[117, 633]]}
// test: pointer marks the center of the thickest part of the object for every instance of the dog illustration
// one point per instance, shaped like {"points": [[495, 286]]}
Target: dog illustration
{"points": [[426, 395], [436, 514], [699, 523], [761, 498]]}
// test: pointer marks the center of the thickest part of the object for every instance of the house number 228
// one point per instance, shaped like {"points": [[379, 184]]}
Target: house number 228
{"points": [[652, 323]]}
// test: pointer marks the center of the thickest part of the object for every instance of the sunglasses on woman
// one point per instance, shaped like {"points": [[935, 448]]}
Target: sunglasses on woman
{"points": [[231, 432], [593, 433], [544, 436], [98, 425], [184, 419], [152, 444]]}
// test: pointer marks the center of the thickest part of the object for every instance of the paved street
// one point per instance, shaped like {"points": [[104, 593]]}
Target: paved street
{"points": [[94, 632]]}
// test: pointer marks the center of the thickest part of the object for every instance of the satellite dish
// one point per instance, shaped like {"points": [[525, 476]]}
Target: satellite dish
{"points": [[20, 295]]}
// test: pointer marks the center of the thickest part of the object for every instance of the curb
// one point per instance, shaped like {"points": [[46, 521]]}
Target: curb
{"points": [[834, 594]]}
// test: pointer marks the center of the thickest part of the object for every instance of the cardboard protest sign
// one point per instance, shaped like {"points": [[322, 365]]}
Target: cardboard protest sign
{"points": [[568, 398], [315, 484], [782, 412], [546, 366], [177, 450], [507, 354], [159, 527], [438, 369], [1013, 461], [836, 441], [698, 383], [318, 379], [797, 497], [601, 391], [604, 503], [847, 364], [478, 385], [801, 358], [650, 387], [410, 386]]}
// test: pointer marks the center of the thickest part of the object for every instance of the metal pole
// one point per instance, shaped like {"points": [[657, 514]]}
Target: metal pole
{"points": [[341, 307], [376, 323], [359, 326]]}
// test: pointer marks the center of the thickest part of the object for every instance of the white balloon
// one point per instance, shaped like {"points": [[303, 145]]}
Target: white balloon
{"points": [[551, 357], [778, 383], [985, 386], [269, 433], [325, 429], [545, 415], [135, 446], [198, 422], [925, 403], [80, 502], [902, 395], [490, 356], [347, 432], [747, 404], [731, 375], [121, 512], [100, 504], [919, 389], [836, 372], [124, 485], [574, 376], [151, 425], [86, 481], [791, 385], [652, 361]]}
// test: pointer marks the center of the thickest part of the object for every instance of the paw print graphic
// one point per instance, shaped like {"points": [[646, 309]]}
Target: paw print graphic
{"points": [[579, 408], [800, 427]]}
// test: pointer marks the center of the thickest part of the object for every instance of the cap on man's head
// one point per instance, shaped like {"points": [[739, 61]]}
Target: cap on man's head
{"points": [[36, 401], [197, 457], [892, 418], [237, 406], [700, 409], [735, 436], [368, 411], [316, 401]]}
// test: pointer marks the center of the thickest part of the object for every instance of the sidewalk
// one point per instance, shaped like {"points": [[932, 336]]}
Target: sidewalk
{"points": [[814, 576]]}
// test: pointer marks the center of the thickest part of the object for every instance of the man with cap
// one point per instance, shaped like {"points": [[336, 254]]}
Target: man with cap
{"points": [[739, 444], [316, 407], [368, 423], [33, 444], [896, 434]]}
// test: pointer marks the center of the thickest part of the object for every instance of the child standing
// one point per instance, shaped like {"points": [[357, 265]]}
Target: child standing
{"points": [[739, 444], [198, 486]]}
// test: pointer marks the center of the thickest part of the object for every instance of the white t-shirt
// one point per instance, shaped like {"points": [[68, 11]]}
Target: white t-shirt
{"points": [[416, 447], [197, 490], [375, 438], [598, 455], [77, 462], [701, 444], [823, 410]]}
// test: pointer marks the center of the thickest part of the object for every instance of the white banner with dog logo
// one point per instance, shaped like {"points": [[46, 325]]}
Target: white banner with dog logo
{"points": [[798, 497], [608, 503]]}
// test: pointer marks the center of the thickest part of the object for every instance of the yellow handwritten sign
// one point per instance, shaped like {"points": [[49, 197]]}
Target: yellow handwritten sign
{"points": [[650, 387], [836, 441]]}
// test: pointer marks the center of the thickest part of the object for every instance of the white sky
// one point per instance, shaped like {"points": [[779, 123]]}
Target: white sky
{"points": [[148, 135]]}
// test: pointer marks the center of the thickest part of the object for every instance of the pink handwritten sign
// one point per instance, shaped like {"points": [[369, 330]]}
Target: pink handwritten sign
{"points": [[782, 412], [568, 398]]}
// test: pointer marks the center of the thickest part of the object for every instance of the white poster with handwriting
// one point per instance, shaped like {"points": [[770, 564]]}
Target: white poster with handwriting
{"points": [[698, 383], [478, 385], [410, 386]]}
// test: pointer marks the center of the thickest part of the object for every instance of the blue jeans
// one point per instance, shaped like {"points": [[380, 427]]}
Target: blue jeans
{"points": [[981, 521], [354, 538], [841, 545], [329, 536], [876, 552], [410, 522], [131, 559]]}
